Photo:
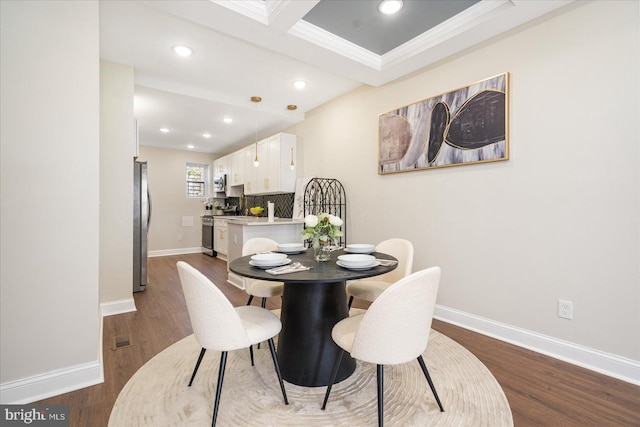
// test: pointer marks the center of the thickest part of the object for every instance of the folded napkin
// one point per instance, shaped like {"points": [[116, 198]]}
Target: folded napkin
{"points": [[287, 269], [386, 262]]}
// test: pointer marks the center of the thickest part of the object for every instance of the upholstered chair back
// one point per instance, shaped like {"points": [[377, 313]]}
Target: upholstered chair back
{"points": [[258, 244], [216, 324], [395, 329], [402, 249]]}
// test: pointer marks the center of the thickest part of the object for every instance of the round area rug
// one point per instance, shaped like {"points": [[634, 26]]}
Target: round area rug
{"points": [[157, 395]]}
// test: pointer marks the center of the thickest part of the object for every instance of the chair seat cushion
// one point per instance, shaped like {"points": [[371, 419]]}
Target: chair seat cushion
{"points": [[367, 290], [259, 323], [344, 331], [265, 288]]}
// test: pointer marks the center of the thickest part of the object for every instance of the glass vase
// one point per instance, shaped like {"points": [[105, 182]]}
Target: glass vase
{"points": [[322, 251]]}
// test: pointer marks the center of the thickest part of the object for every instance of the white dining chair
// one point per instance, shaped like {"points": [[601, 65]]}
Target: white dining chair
{"points": [[260, 288], [370, 288], [218, 326], [394, 330]]}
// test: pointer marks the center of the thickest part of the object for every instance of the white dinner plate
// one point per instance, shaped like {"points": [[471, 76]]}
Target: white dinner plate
{"points": [[359, 251], [375, 264], [291, 251], [265, 267]]}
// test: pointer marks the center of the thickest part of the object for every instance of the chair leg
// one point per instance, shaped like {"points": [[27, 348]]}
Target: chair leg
{"points": [[433, 388], [202, 351], [350, 301], [251, 354], [250, 299], [334, 374], [380, 395], [274, 356], [263, 305], [223, 363]]}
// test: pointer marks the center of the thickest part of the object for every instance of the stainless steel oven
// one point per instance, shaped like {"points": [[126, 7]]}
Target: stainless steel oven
{"points": [[207, 235]]}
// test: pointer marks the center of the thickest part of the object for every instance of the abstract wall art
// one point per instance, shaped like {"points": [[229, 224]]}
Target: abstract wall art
{"points": [[465, 126]]}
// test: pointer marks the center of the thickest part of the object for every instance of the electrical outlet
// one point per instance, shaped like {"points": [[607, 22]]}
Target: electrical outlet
{"points": [[179, 237], [565, 309]]}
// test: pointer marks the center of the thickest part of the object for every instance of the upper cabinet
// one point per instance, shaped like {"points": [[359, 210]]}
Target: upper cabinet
{"points": [[274, 173], [236, 168], [250, 171], [220, 166]]}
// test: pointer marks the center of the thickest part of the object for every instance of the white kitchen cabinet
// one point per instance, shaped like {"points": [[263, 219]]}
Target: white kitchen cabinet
{"points": [[262, 170], [273, 174], [235, 174], [220, 237], [250, 171], [220, 166], [236, 169]]}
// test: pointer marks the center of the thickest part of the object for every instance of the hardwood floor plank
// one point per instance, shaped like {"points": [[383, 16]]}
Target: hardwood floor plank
{"points": [[541, 390]]}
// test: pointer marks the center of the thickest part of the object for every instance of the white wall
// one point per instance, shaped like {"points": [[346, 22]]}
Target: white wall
{"points": [[559, 220], [116, 189], [167, 186], [50, 335]]}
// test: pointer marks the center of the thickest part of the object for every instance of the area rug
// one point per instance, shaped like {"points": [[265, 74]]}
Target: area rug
{"points": [[157, 395]]}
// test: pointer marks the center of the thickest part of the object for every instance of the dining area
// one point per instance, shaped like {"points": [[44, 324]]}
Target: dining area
{"points": [[318, 359], [318, 341]]}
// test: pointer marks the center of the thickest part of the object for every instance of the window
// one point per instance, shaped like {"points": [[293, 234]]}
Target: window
{"points": [[197, 178]]}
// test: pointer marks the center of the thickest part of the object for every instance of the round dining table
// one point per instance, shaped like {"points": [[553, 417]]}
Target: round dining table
{"points": [[313, 301]]}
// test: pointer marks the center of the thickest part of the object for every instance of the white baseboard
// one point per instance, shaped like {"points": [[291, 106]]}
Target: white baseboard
{"points": [[179, 251], [117, 307], [53, 383], [608, 364]]}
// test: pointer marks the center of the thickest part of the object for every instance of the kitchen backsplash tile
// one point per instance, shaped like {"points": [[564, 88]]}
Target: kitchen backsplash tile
{"points": [[283, 204]]}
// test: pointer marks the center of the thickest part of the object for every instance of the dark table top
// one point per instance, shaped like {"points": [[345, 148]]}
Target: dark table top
{"points": [[326, 271]]}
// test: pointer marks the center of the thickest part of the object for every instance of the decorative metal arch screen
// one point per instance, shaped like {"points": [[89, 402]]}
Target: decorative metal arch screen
{"points": [[327, 195]]}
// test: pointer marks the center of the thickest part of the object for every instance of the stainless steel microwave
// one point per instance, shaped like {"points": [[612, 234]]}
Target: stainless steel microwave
{"points": [[219, 182]]}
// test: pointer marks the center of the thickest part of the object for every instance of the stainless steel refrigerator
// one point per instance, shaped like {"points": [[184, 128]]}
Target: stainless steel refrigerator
{"points": [[141, 221]]}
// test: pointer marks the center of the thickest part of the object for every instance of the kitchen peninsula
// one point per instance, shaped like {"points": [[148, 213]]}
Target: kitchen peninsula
{"points": [[243, 228]]}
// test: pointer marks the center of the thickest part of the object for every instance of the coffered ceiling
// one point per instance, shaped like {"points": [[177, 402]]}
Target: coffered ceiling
{"points": [[245, 48]]}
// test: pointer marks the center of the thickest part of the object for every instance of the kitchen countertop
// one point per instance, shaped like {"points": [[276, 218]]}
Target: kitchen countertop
{"points": [[251, 220]]}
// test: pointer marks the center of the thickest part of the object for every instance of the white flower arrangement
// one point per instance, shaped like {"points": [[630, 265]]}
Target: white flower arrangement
{"points": [[208, 203], [322, 228]]}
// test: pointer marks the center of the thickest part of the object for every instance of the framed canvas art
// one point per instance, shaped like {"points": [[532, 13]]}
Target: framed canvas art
{"points": [[465, 126]]}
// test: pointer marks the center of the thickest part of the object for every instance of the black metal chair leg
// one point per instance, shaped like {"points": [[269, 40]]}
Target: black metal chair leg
{"points": [[334, 374], [223, 363], [274, 356], [380, 395], [251, 354], [250, 299], [433, 388], [202, 351], [264, 305], [350, 301]]}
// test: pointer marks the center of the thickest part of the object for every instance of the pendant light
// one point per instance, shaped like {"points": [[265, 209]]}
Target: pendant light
{"points": [[292, 107], [256, 100]]}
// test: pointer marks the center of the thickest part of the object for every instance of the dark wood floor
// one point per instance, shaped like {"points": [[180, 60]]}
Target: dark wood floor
{"points": [[541, 390]]}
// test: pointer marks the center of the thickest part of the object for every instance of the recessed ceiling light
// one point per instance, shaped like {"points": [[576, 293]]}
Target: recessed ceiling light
{"points": [[206, 135], [227, 119], [389, 7], [164, 130], [182, 51], [299, 84], [190, 146]]}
